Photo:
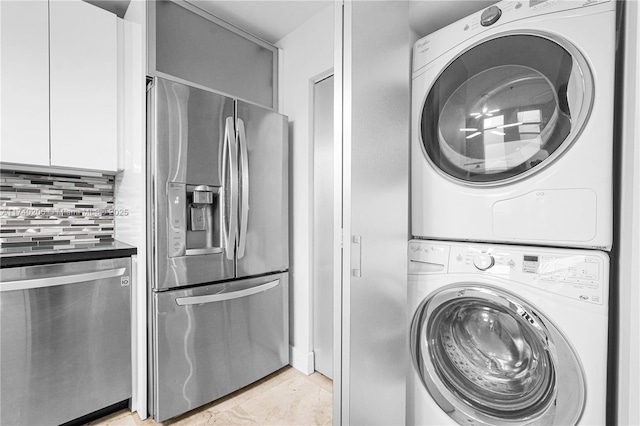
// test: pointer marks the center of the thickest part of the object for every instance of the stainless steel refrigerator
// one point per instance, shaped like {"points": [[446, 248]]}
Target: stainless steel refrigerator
{"points": [[218, 197]]}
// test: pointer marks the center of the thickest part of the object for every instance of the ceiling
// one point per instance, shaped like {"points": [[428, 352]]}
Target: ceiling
{"points": [[119, 7], [271, 20]]}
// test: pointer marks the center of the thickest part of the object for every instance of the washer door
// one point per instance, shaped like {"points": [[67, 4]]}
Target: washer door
{"points": [[504, 107], [488, 357]]}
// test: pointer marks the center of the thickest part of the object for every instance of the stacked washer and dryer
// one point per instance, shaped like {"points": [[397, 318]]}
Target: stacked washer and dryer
{"points": [[512, 207]]}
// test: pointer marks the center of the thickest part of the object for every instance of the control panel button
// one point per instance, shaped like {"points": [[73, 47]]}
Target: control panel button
{"points": [[490, 16], [176, 212], [483, 261]]}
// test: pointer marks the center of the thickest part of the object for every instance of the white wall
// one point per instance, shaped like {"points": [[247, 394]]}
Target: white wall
{"points": [[131, 186], [629, 230], [307, 53]]}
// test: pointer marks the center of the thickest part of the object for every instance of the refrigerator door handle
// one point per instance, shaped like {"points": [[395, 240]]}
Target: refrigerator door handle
{"points": [[60, 280], [230, 171], [244, 204], [221, 297]]}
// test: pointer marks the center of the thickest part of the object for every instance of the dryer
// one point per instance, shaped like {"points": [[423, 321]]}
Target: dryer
{"points": [[512, 126], [506, 335]]}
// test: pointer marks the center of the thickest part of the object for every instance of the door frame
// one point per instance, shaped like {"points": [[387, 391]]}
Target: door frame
{"points": [[341, 209], [312, 84]]}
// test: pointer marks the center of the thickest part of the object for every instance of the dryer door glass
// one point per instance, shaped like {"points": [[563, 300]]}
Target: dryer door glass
{"points": [[504, 107], [489, 354]]}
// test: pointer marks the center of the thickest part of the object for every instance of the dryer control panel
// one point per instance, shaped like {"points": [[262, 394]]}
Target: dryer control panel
{"points": [[434, 45], [578, 274]]}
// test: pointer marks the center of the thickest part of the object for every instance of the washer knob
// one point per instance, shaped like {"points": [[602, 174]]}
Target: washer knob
{"points": [[490, 16], [483, 261]]}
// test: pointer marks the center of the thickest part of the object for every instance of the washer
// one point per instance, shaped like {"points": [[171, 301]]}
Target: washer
{"points": [[506, 335], [512, 126]]}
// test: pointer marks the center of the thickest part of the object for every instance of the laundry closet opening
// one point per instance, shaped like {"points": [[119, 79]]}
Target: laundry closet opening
{"points": [[322, 219]]}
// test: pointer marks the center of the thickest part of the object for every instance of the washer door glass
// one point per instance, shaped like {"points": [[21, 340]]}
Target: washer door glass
{"points": [[504, 107], [491, 358], [490, 355]]}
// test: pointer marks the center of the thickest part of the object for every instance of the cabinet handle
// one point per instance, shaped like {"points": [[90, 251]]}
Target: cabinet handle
{"points": [[356, 256]]}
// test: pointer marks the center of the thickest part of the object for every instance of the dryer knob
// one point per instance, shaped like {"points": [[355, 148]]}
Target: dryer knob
{"points": [[483, 261], [490, 16]]}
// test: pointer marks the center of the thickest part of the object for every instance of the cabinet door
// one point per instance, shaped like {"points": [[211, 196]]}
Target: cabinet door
{"points": [[84, 86], [376, 200], [192, 45], [25, 81]]}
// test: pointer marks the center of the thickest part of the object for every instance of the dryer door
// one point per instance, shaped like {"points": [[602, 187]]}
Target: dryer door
{"points": [[505, 108], [488, 357]]}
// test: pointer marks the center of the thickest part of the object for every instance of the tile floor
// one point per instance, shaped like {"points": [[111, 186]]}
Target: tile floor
{"points": [[286, 397]]}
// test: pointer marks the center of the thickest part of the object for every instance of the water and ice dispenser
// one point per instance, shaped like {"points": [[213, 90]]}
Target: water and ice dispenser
{"points": [[194, 219]]}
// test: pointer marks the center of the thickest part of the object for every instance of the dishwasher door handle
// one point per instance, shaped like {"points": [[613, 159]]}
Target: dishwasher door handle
{"points": [[60, 280], [221, 297]]}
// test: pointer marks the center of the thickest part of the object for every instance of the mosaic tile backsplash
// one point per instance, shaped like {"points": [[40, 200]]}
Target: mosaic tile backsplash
{"points": [[41, 212]]}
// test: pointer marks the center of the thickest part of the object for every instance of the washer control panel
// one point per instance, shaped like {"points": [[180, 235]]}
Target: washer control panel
{"points": [[427, 258], [578, 274], [483, 261]]}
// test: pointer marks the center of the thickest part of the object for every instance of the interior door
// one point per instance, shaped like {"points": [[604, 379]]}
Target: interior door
{"points": [[263, 160], [486, 355], [323, 223], [506, 108], [375, 182]]}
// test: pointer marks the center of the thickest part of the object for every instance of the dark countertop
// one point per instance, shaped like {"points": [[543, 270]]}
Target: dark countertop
{"points": [[103, 250]]}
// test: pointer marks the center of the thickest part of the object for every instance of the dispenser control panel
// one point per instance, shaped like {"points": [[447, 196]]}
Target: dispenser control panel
{"points": [[177, 220]]}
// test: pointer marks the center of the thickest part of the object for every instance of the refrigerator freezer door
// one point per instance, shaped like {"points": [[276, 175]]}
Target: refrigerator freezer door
{"points": [[212, 340], [187, 129], [263, 240]]}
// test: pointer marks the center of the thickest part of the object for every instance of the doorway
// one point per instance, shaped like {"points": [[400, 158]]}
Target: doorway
{"points": [[323, 196]]}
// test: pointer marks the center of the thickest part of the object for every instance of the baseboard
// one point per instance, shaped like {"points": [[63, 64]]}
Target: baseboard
{"points": [[301, 361]]}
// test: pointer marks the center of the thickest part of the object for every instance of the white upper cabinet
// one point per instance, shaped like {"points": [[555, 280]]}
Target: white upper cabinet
{"points": [[84, 86], [25, 82], [59, 84]]}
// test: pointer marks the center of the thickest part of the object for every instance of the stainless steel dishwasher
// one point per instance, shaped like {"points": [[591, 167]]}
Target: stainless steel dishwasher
{"points": [[65, 340]]}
